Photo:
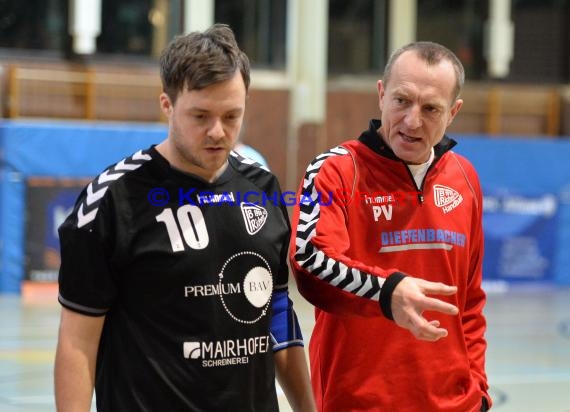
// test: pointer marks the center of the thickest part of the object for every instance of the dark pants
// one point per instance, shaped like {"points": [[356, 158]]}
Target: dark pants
{"points": [[484, 405]]}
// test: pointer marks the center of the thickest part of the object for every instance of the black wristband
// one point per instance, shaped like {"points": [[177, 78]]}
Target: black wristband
{"points": [[386, 293], [484, 405]]}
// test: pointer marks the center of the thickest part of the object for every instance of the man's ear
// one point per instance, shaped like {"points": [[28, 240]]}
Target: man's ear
{"points": [[381, 91], [166, 104], [454, 110]]}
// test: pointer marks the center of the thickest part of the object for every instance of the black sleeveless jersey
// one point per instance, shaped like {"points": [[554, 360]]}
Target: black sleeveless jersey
{"points": [[184, 271]]}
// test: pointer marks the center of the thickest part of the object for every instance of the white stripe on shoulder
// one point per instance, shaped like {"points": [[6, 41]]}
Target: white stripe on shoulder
{"points": [[247, 160], [316, 261], [98, 187]]}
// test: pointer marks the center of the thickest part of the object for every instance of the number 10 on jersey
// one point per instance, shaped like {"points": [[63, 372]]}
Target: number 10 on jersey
{"points": [[188, 224]]}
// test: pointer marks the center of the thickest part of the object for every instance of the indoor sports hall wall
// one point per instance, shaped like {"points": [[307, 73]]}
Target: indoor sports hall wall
{"points": [[43, 165]]}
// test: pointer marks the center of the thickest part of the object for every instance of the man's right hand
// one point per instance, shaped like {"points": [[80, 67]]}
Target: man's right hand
{"points": [[410, 301]]}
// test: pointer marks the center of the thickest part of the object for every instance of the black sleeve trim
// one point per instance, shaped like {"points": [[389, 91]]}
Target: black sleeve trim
{"points": [[484, 404], [386, 293]]}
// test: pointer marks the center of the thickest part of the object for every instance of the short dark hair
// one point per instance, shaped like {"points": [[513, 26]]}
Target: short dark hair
{"points": [[432, 53], [200, 59]]}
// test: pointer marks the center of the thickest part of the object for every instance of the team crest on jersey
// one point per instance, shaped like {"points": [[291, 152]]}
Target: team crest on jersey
{"points": [[446, 198], [254, 217]]}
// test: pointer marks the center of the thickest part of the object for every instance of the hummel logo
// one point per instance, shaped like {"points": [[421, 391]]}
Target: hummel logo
{"points": [[446, 198], [254, 217]]}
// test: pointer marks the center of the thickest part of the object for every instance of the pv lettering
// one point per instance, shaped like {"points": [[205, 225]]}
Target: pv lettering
{"points": [[385, 210]]}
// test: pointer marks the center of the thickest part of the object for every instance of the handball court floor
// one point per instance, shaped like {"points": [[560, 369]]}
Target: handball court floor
{"points": [[528, 359]]}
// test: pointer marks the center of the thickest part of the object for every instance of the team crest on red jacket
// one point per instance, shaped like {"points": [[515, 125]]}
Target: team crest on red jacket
{"points": [[446, 198]]}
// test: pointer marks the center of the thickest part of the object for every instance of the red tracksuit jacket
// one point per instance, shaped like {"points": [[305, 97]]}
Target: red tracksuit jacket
{"points": [[370, 221]]}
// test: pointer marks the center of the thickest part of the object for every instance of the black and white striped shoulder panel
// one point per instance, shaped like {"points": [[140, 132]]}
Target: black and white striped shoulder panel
{"points": [[89, 207], [247, 161], [314, 260]]}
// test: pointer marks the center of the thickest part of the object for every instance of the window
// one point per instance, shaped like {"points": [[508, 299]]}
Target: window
{"points": [[542, 41], [138, 27], [125, 27], [259, 27], [458, 25], [357, 36], [33, 24]]}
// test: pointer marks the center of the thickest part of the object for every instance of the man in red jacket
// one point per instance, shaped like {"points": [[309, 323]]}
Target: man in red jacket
{"points": [[400, 219]]}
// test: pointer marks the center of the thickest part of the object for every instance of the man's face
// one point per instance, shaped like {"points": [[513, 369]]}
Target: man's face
{"points": [[204, 126], [417, 106]]}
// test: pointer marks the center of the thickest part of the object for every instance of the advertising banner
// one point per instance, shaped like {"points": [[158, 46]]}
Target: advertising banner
{"points": [[48, 203], [519, 236]]}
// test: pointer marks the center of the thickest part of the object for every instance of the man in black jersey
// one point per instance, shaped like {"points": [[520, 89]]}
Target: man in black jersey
{"points": [[173, 281]]}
